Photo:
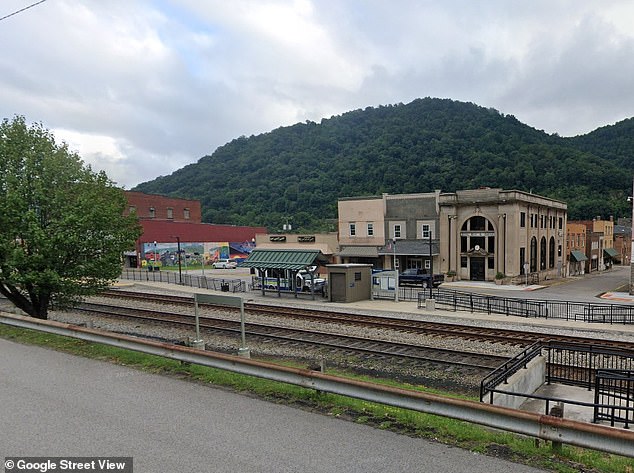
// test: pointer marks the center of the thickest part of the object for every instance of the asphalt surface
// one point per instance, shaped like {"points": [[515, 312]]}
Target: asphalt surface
{"points": [[61, 405]]}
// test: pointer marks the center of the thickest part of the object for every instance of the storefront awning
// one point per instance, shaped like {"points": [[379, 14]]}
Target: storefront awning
{"points": [[577, 256], [359, 252], [611, 252], [283, 259]]}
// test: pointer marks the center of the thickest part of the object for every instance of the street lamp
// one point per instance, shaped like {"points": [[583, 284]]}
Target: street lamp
{"points": [[178, 246], [395, 270]]}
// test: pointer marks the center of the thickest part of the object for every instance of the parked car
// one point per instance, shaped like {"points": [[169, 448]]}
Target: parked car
{"points": [[419, 277], [224, 264]]}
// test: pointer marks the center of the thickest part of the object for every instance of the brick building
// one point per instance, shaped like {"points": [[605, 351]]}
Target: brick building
{"points": [[158, 207], [170, 224]]}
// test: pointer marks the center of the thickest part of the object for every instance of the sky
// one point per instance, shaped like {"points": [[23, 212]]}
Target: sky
{"points": [[141, 88]]}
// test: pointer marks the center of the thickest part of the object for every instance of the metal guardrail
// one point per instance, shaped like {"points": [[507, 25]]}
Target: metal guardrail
{"points": [[568, 310], [171, 277], [597, 437]]}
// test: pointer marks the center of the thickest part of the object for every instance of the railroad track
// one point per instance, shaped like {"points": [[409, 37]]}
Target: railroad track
{"points": [[517, 338], [335, 344]]}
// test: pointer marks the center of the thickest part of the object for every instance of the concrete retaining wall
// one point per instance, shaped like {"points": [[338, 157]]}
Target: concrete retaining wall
{"points": [[525, 381]]}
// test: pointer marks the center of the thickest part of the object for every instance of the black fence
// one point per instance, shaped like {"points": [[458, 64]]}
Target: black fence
{"points": [[609, 371], [502, 374], [171, 277], [584, 311], [614, 389], [404, 293]]}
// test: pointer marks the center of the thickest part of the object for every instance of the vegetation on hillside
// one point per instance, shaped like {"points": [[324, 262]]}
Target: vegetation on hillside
{"points": [[297, 173]]}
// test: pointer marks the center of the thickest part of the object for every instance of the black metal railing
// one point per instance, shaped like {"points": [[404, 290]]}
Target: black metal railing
{"points": [[171, 277], [509, 368], [609, 371], [404, 293], [614, 396], [568, 310]]}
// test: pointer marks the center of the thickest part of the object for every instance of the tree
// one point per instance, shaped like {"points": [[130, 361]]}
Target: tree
{"points": [[62, 229]]}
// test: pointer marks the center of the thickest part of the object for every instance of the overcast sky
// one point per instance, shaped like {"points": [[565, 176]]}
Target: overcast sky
{"points": [[140, 88]]}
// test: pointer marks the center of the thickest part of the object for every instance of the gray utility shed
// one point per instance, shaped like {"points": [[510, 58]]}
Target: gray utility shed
{"points": [[349, 282]]}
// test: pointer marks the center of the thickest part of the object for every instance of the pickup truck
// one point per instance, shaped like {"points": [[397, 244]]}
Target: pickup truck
{"points": [[419, 277]]}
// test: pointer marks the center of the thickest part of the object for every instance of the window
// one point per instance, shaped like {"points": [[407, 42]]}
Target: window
{"points": [[522, 259], [463, 261], [170, 212], [132, 209], [186, 214], [397, 231], [491, 263], [426, 231], [370, 229], [523, 219], [353, 229], [152, 212], [357, 276], [427, 264], [561, 223]]}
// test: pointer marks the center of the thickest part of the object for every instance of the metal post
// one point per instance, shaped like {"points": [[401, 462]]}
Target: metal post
{"points": [[244, 350], [180, 274], [431, 267], [395, 270]]}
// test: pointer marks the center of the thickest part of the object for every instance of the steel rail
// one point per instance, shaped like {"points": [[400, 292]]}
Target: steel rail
{"points": [[546, 427]]}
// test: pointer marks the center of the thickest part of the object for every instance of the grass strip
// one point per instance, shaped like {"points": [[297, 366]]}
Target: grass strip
{"points": [[478, 439]]}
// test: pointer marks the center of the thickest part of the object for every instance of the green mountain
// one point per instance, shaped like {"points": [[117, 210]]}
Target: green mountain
{"points": [[297, 173]]}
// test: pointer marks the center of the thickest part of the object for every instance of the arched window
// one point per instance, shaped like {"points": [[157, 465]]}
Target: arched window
{"points": [[551, 253], [542, 254], [533, 255]]}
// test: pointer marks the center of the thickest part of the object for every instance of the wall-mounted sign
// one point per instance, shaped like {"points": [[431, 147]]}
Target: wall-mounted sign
{"points": [[306, 239], [277, 238]]}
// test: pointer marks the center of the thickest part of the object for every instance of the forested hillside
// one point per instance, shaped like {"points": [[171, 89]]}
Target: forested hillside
{"points": [[299, 172]]}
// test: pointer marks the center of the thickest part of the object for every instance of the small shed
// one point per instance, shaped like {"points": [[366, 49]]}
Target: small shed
{"points": [[349, 282], [278, 269]]}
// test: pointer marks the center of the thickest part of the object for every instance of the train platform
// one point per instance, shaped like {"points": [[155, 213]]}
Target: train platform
{"points": [[410, 310]]}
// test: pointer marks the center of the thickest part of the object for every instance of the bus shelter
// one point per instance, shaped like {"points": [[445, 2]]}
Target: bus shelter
{"points": [[288, 271]]}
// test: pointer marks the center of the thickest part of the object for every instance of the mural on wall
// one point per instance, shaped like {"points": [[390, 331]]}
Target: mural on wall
{"points": [[166, 254]]}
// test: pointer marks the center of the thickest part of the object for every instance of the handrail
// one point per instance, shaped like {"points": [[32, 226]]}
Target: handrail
{"points": [[509, 368], [569, 310], [546, 427]]}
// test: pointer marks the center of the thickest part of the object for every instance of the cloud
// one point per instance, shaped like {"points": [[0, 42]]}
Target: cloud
{"points": [[143, 88]]}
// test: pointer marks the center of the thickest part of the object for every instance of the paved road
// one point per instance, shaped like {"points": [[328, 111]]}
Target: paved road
{"points": [[585, 288], [56, 404]]}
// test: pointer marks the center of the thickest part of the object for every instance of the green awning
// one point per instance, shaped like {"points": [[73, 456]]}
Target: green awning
{"points": [[578, 256], [283, 259], [611, 252]]}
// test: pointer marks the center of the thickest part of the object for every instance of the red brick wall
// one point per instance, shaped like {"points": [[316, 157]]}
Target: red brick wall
{"points": [[143, 203]]}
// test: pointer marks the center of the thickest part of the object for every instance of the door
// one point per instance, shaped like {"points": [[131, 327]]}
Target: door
{"points": [[337, 287], [476, 268]]}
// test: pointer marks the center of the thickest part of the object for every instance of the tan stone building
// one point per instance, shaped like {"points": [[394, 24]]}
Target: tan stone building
{"points": [[486, 232]]}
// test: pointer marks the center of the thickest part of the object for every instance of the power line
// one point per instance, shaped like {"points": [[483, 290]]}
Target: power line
{"points": [[21, 10]]}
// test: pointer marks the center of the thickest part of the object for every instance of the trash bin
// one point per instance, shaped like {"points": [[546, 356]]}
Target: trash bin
{"points": [[224, 287]]}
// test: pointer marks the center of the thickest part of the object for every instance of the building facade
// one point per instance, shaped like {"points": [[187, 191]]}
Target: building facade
{"points": [[576, 248], [158, 207], [391, 230], [493, 232]]}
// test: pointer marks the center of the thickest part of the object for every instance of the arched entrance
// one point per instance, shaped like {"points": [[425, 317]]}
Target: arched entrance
{"points": [[477, 247]]}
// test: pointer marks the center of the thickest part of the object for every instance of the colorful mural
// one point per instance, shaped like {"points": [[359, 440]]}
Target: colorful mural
{"points": [[166, 254]]}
